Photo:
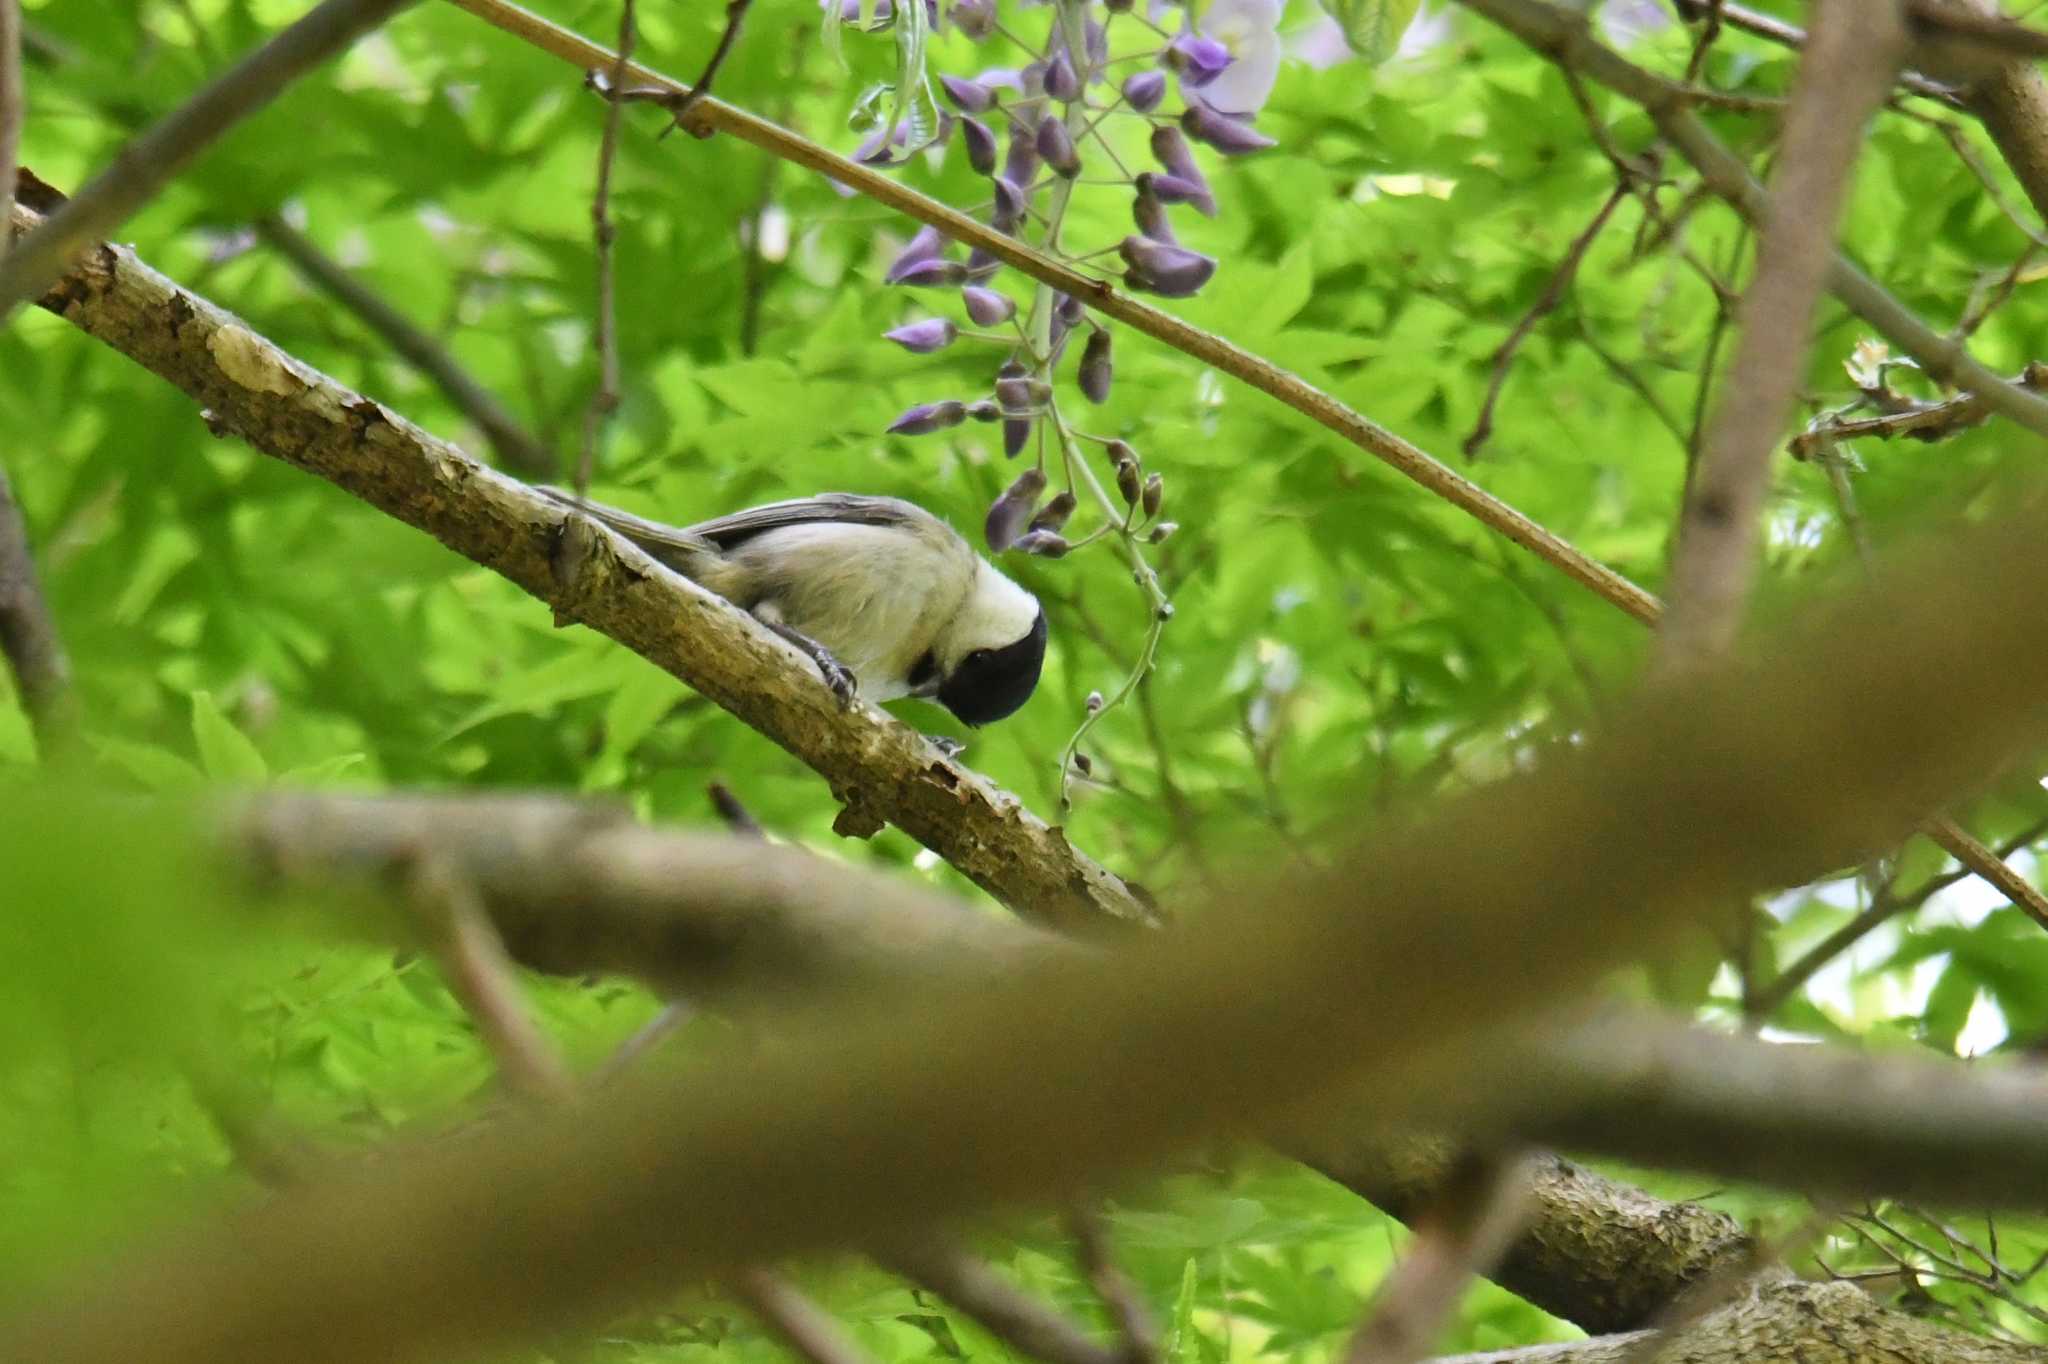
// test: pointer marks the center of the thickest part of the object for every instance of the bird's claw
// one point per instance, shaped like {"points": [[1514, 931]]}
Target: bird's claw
{"points": [[951, 747], [839, 678]]}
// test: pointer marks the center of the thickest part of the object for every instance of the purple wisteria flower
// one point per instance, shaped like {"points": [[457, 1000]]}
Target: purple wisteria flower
{"points": [[1248, 30], [922, 338]]}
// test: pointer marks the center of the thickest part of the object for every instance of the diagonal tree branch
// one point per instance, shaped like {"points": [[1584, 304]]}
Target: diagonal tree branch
{"points": [[516, 447], [149, 162], [1844, 76], [883, 770]]}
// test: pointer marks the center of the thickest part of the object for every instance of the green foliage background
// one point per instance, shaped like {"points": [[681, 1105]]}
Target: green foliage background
{"points": [[1344, 645]]}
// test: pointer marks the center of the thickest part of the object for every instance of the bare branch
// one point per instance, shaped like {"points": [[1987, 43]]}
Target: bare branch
{"points": [[1553, 294], [604, 333], [1786, 1320], [149, 162], [1847, 70], [28, 635], [516, 447], [1769, 26], [1020, 1320], [1126, 1303], [1478, 1211], [804, 1326], [735, 16], [481, 975], [13, 110]]}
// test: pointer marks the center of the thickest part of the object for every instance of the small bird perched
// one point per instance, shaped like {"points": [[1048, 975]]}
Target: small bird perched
{"points": [[881, 594]]}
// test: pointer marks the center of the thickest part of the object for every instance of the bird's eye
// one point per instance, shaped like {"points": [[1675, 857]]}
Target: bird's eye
{"points": [[977, 658]]}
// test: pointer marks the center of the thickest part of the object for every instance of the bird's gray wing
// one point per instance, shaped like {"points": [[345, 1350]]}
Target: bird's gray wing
{"points": [[845, 508], [673, 545]]}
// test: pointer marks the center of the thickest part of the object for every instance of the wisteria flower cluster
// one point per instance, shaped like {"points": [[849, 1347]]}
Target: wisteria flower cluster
{"points": [[1125, 93]]}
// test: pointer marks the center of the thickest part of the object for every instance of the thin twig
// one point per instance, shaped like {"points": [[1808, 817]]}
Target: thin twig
{"points": [[28, 634], [1552, 295], [151, 160], [1126, 1303], [735, 15], [1844, 75], [1477, 1213], [481, 974], [1921, 421], [516, 447], [804, 1326], [1774, 29], [13, 110], [1021, 1320], [605, 400]]}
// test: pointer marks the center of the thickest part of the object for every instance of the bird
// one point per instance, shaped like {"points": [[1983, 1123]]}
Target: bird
{"points": [[887, 599]]}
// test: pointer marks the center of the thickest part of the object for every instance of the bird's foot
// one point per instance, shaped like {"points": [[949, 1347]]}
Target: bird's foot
{"points": [[837, 675], [951, 747]]}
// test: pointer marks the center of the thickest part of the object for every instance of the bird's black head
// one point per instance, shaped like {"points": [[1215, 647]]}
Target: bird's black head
{"points": [[991, 683]]}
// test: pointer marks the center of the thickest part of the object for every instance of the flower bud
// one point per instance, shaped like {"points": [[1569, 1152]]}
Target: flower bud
{"points": [[932, 274], [1009, 210], [982, 264], [1020, 167], [1095, 365], [969, 97], [1127, 482], [1227, 135], [1169, 271], [1144, 90], [1014, 394], [1061, 81], [980, 144], [926, 245], [1069, 309], [984, 410], [1166, 610], [927, 417], [1162, 531], [1053, 515], [1119, 6], [1121, 453], [1171, 150], [922, 338], [1199, 60], [1149, 214], [986, 307], [1095, 702], [1155, 493], [1008, 514], [1056, 145], [975, 18], [1083, 763], [1171, 189], [1016, 435], [1095, 40], [1044, 543]]}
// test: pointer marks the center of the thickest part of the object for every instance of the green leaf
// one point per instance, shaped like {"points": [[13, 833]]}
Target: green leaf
{"points": [[224, 751], [1373, 27]]}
